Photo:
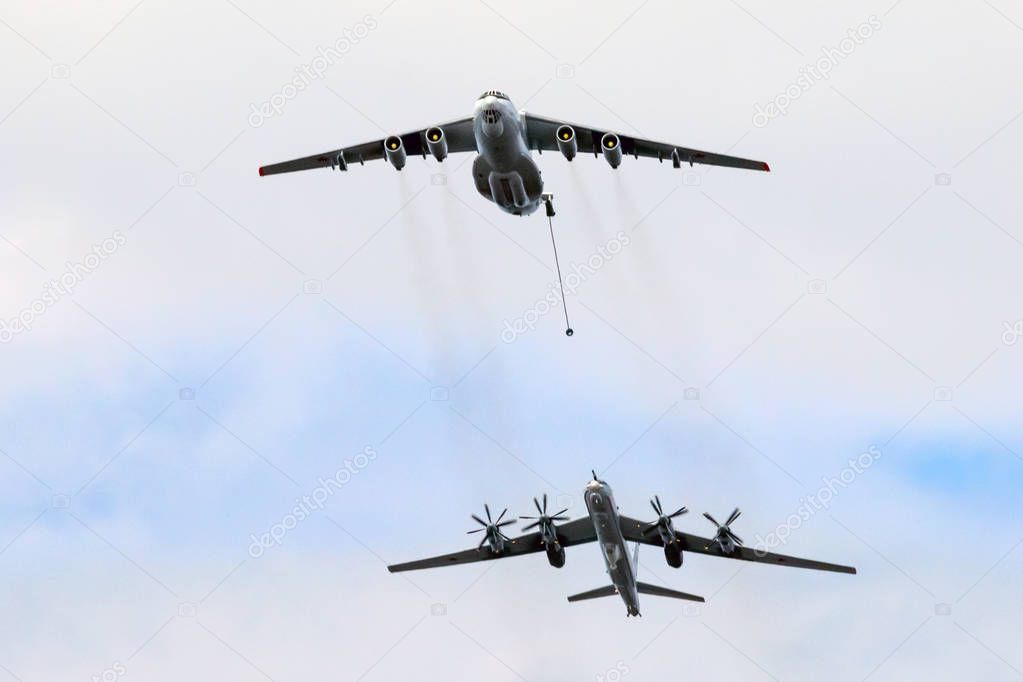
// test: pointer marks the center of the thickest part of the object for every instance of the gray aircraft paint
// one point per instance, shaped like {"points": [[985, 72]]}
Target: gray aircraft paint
{"points": [[504, 171], [600, 503]]}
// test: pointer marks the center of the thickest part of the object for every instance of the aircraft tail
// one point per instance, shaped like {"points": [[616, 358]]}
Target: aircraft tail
{"points": [[646, 588], [609, 591]]}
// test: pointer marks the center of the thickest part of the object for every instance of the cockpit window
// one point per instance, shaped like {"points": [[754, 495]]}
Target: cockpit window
{"points": [[494, 93]]}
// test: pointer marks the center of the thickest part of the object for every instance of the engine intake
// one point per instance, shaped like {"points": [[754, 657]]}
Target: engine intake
{"points": [[394, 150], [437, 143], [565, 137], [611, 145]]}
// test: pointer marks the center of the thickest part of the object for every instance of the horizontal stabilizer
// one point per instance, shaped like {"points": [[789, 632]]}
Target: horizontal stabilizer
{"points": [[608, 591], [646, 588]]}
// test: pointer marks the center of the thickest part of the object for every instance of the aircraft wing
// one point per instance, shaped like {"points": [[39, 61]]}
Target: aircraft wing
{"points": [[572, 533], [541, 134], [459, 136], [633, 530]]}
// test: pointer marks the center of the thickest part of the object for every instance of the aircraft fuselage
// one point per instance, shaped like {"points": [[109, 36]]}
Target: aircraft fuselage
{"points": [[504, 171], [603, 512]]}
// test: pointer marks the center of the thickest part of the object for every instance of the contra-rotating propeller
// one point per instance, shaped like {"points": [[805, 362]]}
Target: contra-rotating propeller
{"points": [[725, 538], [545, 521], [494, 536], [663, 521]]}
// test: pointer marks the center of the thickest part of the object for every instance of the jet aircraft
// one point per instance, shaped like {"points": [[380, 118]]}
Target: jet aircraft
{"points": [[503, 138], [605, 526]]}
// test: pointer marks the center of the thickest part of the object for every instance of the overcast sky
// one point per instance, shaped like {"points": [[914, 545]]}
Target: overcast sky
{"points": [[188, 349]]}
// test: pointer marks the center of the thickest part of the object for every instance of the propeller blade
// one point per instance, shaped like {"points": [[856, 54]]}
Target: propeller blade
{"points": [[532, 525], [733, 517], [487, 508], [680, 512], [528, 518], [544, 504], [653, 505], [650, 527], [502, 515], [478, 530], [555, 516], [537, 503], [735, 538], [478, 520], [482, 542], [505, 523], [711, 519]]}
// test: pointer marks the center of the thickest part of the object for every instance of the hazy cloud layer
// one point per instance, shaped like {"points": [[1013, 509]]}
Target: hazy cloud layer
{"points": [[195, 357]]}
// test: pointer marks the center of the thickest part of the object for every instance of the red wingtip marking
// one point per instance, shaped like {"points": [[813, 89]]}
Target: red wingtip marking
{"points": [[260, 171], [767, 168]]}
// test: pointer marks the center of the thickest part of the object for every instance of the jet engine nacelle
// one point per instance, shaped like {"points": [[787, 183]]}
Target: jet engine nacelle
{"points": [[565, 136], [394, 150], [437, 143], [673, 555], [556, 555], [612, 148]]}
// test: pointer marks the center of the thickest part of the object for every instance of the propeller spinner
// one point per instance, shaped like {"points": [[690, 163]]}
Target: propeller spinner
{"points": [[663, 523], [493, 535], [726, 540], [545, 521]]}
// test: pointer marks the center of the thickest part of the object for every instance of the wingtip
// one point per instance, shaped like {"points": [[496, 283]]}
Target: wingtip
{"points": [[767, 169], [262, 171]]}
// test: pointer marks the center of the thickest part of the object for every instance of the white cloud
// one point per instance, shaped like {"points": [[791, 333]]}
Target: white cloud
{"points": [[719, 292]]}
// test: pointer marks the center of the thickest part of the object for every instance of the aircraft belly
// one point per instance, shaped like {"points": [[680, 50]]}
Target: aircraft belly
{"points": [[508, 188], [513, 183], [613, 549]]}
